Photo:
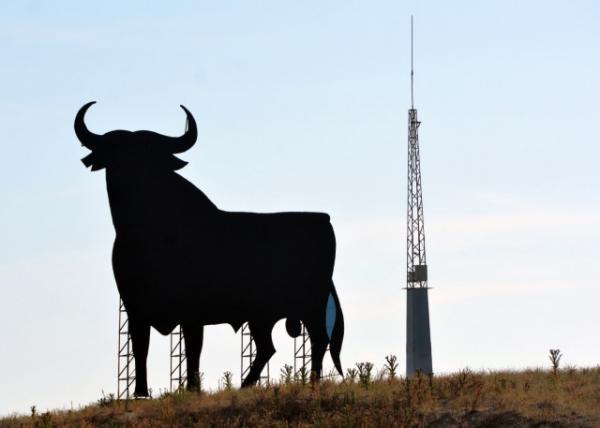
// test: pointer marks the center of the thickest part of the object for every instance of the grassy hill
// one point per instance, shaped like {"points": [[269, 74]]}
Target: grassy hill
{"points": [[531, 398]]}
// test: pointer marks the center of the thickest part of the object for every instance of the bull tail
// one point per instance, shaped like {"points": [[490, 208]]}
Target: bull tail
{"points": [[334, 323]]}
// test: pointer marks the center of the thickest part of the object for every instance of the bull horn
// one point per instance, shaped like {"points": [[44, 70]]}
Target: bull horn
{"points": [[86, 137], [187, 140]]}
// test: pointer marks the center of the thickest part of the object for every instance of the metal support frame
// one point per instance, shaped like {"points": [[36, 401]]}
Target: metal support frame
{"points": [[303, 357], [415, 230], [418, 339], [302, 354], [177, 360], [125, 361], [249, 355]]}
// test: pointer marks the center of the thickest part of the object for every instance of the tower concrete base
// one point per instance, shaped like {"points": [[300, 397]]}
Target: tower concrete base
{"points": [[418, 336]]}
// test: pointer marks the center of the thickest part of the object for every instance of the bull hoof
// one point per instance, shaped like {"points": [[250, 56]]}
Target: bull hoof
{"points": [[141, 394], [192, 388], [247, 384]]}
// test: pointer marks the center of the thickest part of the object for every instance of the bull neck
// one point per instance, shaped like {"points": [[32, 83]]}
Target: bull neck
{"points": [[142, 201]]}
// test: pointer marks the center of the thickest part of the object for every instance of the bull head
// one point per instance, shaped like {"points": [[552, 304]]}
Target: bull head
{"points": [[126, 148]]}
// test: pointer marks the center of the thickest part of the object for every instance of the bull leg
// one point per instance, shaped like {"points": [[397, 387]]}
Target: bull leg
{"points": [[193, 336], [140, 338], [318, 346], [261, 333]]}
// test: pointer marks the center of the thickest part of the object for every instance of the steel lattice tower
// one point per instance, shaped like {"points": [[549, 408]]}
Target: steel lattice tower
{"points": [[177, 359], [249, 355], [418, 336], [302, 354], [125, 361]]}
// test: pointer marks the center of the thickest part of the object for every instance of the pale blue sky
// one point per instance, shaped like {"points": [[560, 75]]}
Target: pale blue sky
{"points": [[303, 106]]}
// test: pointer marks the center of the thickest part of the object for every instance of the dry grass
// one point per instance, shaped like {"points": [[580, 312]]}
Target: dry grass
{"points": [[532, 398]]}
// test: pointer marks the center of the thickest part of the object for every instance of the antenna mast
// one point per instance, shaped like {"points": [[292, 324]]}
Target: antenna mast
{"points": [[412, 71], [418, 337]]}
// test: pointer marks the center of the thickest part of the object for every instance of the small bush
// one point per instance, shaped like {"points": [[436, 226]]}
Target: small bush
{"points": [[555, 357], [351, 375], [391, 366], [106, 400], [227, 380], [365, 373], [287, 374], [302, 376]]}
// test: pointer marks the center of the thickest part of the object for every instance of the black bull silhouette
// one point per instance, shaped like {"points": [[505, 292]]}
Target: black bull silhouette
{"points": [[179, 260]]}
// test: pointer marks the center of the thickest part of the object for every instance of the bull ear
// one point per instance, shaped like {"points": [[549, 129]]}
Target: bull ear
{"points": [[89, 160], [175, 163], [94, 160]]}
